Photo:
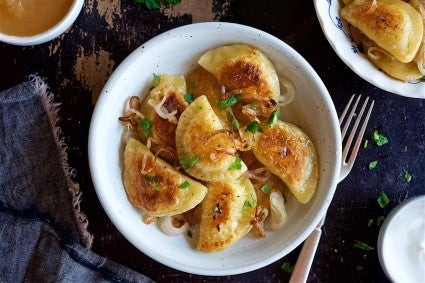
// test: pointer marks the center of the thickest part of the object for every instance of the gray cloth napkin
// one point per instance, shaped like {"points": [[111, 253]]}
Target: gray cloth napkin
{"points": [[43, 233]]}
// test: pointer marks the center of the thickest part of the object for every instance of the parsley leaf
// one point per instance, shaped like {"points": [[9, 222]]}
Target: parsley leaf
{"points": [[254, 127], [184, 185], [146, 125], [362, 246], [370, 223], [237, 164], [273, 118], [372, 164], [228, 102], [380, 220], [188, 162], [383, 200], [156, 4], [151, 179], [407, 176], [378, 138], [188, 97], [265, 189], [156, 79], [252, 203], [287, 267]]}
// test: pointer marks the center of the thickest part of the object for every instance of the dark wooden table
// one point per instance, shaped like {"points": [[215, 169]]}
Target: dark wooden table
{"points": [[77, 64]]}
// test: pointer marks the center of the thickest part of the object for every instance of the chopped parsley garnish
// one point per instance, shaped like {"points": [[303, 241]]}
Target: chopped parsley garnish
{"points": [[378, 138], [287, 267], [383, 200], [380, 220], [233, 120], [146, 125], [228, 102], [151, 179], [366, 143], [273, 118], [237, 164], [252, 203], [188, 97], [359, 267], [265, 189], [156, 79], [341, 259], [407, 176], [362, 246], [156, 188], [188, 162], [184, 185], [254, 127], [156, 4], [372, 164], [370, 222]]}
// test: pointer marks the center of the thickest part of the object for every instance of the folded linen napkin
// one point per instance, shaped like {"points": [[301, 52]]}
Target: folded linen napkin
{"points": [[43, 233]]}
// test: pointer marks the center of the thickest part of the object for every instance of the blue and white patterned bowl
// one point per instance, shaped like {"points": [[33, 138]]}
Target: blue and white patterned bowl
{"points": [[341, 41]]}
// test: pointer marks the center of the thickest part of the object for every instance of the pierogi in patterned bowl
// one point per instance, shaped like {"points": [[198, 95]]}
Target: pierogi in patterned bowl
{"points": [[215, 148]]}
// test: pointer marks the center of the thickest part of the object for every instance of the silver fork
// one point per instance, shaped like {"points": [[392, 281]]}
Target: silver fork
{"points": [[305, 258]]}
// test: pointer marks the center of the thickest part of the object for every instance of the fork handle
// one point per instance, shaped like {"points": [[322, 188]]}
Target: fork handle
{"points": [[305, 258]]}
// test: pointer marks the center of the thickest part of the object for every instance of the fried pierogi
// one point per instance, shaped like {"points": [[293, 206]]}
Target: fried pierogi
{"points": [[204, 145], [246, 72], [163, 106], [227, 211], [156, 187], [394, 25], [289, 153]]}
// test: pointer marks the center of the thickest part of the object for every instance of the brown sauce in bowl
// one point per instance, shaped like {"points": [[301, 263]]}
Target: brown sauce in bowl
{"points": [[31, 17]]}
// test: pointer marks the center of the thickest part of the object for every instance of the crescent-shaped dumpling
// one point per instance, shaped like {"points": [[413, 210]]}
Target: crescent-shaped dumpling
{"points": [[168, 97], [154, 186], [289, 153], [245, 71], [203, 141], [393, 25], [227, 211]]}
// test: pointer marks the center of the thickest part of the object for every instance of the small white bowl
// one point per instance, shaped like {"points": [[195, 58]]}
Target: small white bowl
{"points": [[340, 39], [49, 34], [401, 242], [177, 52]]}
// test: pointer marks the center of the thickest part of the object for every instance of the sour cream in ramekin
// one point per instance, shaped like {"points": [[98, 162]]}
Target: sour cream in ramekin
{"points": [[401, 242]]}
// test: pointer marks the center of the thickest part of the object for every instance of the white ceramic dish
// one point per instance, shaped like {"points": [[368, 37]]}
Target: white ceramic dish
{"points": [[401, 242], [49, 34], [176, 52], [334, 29]]}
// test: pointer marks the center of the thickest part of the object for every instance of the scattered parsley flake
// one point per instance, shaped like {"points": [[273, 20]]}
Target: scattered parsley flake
{"points": [[228, 102], [359, 267], [233, 120], [362, 246], [184, 185], [252, 203], [146, 125], [265, 189], [156, 79], [407, 176], [378, 138], [341, 259], [188, 97], [372, 164], [237, 164], [188, 162], [254, 127], [370, 222], [156, 4], [383, 200], [366, 143], [151, 179], [273, 118], [287, 267], [156, 188], [380, 220]]}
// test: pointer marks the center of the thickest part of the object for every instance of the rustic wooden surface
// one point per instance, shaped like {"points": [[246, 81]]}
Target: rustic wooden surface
{"points": [[78, 63]]}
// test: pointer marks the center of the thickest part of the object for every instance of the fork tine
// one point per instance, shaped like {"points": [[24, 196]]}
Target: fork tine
{"points": [[353, 131], [350, 117]]}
